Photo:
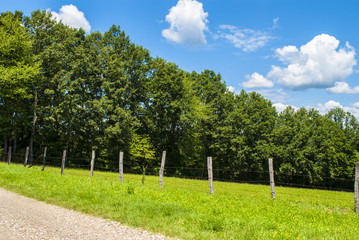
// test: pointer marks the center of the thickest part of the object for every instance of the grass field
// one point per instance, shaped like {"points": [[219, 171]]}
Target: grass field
{"points": [[183, 208]]}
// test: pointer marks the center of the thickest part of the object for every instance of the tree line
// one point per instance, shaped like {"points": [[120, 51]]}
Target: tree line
{"points": [[65, 89]]}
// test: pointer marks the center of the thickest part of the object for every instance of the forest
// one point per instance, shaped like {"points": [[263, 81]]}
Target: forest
{"points": [[63, 89]]}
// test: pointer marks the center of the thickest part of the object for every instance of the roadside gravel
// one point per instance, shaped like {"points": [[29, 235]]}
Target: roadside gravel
{"points": [[25, 218]]}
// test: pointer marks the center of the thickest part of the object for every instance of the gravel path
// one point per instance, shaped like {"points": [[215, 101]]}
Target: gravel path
{"points": [[25, 218]]}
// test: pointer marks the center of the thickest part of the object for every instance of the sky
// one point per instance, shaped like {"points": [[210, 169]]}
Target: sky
{"points": [[296, 53]]}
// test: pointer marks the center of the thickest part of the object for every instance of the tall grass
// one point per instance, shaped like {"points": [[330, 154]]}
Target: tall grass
{"points": [[184, 209]]}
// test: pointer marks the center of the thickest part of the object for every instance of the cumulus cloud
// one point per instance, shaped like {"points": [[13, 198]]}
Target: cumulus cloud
{"points": [[73, 17], [281, 107], [188, 23], [257, 80], [354, 109], [318, 64], [230, 89], [245, 39], [344, 88], [326, 107]]}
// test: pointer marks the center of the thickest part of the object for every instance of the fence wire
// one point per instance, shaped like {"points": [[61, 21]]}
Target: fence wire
{"points": [[133, 173]]}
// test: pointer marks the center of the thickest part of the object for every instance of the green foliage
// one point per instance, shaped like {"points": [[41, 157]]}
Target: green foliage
{"points": [[183, 209], [96, 90], [19, 70], [308, 143], [141, 150]]}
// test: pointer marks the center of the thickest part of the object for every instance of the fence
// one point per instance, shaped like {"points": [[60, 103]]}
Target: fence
{"points": [[207, 173]]}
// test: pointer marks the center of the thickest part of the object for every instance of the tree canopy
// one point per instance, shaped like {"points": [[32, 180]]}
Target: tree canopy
{"points": [[102, 91]]}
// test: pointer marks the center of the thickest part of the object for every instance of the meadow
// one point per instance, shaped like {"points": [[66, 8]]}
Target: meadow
{"points": [[184, 209]]}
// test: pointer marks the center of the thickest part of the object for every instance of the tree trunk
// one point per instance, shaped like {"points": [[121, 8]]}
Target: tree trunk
{"points": [[33, 131], [15, 137], [5, 148], [143, 174]]}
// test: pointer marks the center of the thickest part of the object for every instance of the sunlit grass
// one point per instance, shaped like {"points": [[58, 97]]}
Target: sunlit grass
{"points": [[184, 209]]}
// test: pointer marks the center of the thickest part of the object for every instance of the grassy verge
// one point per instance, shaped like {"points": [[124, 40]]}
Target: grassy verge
{"points": [[183, 208]]}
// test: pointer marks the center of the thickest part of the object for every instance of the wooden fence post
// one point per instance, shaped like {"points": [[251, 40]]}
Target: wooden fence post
{"points": [[271, 178], [356, 188], [210, 175], [63, 162], [92, 162], [120, 166], [26, 156], [9, 156], [44, 159], [162, 168]]}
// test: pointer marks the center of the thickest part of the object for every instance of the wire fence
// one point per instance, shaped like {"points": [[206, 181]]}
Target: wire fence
{"points": [[239, 176]]}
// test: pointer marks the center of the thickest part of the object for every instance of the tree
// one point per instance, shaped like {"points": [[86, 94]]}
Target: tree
{"points": [[254, 120], [55, 44], [102, 91], [123, 87], [162, 114], [19, 70], [315, 146], [142, 152]]}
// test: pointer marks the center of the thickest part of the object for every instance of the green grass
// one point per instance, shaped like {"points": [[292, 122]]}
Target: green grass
{"points": [[183, 208]]}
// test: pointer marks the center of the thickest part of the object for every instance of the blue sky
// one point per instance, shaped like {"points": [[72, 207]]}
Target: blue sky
{"points": [[294, 52]]}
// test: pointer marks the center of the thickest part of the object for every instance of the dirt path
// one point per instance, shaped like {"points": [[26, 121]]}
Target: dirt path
{"points": [[25, 218]]}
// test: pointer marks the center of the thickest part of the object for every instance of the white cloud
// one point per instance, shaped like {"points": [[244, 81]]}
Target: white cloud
{"points": [[275, 95], [323, 109], [71, 16], [343, 87], [353, 109], [231, 89], [317, 64], [188, 22], [256, 80], [245, 39], [275, 23], [281, 107]]}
